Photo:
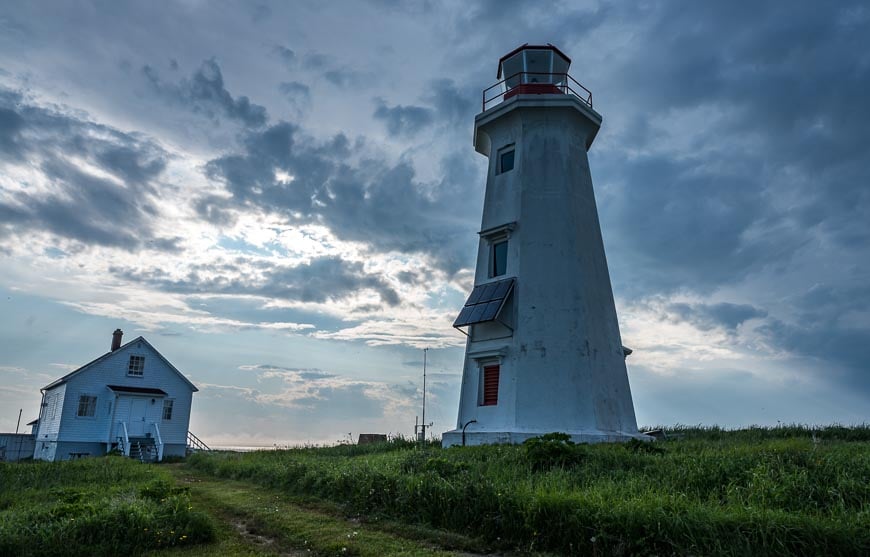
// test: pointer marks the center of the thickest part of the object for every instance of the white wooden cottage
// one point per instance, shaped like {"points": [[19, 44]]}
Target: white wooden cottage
{"points": [[130, 399]]}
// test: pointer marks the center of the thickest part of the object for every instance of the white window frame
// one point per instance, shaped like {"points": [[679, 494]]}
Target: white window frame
{"points": [[171, 408], [136, 371], [90, 409]]}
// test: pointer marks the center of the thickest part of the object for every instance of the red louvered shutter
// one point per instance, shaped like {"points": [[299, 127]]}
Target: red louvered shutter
{"points": [[490, 385]]}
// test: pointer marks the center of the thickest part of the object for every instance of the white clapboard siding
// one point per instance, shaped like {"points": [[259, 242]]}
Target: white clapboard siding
{"points": [[49, 424]]}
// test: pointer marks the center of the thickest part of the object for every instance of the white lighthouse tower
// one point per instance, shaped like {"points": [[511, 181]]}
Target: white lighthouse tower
{"points": [[544, 352]]}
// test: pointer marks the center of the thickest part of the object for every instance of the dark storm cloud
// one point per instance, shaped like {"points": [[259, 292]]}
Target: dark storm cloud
{"points": [[294, 90], [11, 124], [323, 279], [298, 95], [452, 104], [204, 92], [831, 324], [79, 205], [841, 351], [372, 202], [710, 316], [130, 164], [316, 61], [334, 72], [792, 88], [344, 77], [403, 120], [286, 55]]}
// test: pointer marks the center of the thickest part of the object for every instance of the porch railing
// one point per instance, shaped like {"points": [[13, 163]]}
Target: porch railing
{"points": [[125, 439], [159, 441], [195, 443]]}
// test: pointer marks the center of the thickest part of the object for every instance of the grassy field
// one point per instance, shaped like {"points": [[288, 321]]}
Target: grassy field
{"points": [[780, 491], [116, 506], [102, 506]]}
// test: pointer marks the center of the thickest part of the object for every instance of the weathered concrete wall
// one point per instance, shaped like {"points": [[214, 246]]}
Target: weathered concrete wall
{"points": [[562, 368]]}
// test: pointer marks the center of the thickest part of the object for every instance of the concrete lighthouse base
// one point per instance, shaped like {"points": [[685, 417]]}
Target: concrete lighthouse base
{"points": [[473, 438]]}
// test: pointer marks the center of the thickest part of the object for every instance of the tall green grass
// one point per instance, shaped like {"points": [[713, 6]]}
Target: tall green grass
{"points": [[100, 506], [780, 491]]}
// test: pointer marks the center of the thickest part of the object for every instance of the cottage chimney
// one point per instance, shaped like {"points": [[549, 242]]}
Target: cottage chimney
{"points": [[116, 339]]}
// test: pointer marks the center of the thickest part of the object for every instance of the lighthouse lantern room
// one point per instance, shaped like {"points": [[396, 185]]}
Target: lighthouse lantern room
{"points": [[543, 352]]}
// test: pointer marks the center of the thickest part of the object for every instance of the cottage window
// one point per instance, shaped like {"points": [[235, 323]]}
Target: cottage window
{"points": [[167, 409], [87, 406], [490, 385], [136, 367]]}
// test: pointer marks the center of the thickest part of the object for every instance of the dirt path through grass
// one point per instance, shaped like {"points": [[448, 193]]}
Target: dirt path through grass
{"points": [[254, 520]]}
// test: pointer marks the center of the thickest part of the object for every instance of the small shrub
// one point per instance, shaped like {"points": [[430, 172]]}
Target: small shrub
{"points": [[445, 468], [551, 451], [638, 446]]}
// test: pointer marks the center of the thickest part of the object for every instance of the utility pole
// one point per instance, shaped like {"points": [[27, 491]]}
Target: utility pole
{"points": [[425, 351], [18, 454]]}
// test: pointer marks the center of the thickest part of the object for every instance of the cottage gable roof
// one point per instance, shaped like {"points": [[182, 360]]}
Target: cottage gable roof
{"points": [[71, 374]]}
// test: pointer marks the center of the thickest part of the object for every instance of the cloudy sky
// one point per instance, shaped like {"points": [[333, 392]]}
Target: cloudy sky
{"points": [[284, 199]]}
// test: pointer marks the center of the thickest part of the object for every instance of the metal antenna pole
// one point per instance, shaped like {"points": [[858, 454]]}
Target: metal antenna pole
{"points": [[22, 410], [425, 350]]}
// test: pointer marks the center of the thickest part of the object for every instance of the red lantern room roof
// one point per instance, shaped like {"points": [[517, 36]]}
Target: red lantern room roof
{"points": [[528, 46]]}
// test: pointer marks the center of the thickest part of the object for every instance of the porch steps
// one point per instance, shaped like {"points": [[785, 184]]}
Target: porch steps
{"points": [[143, 449]]}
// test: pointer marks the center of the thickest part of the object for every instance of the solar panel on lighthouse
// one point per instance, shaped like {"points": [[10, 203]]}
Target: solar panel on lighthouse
{"points": [[485, 302]]}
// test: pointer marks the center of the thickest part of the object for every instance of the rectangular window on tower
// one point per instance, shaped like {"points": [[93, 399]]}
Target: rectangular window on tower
{"points": [[505, 159], [490, 385], [498, 258]]}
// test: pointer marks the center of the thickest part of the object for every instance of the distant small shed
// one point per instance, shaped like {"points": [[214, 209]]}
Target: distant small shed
{"points": [[16, 446], [368, 438]]}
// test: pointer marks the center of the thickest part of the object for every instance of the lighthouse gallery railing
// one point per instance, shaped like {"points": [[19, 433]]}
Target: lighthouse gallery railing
{"points": [[531, 83]]}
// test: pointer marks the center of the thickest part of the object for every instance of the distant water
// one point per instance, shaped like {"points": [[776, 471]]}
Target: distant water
{"points": [[243, 449]]}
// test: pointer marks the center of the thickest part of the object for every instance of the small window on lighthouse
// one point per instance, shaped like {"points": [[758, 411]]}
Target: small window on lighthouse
{"points": [[489, 393], [506, 159], [498, 263]]}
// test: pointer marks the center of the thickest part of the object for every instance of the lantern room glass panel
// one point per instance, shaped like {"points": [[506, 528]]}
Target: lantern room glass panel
{"points": [[539, 65], [512, 69], [560, 70]]}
